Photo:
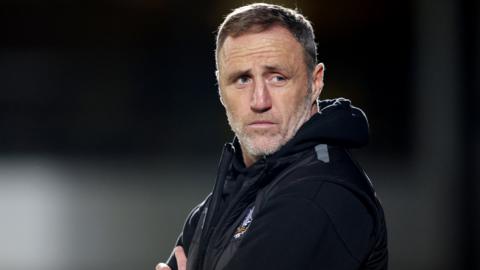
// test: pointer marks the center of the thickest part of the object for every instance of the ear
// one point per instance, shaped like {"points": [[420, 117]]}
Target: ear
{"points": [[317, 82]]}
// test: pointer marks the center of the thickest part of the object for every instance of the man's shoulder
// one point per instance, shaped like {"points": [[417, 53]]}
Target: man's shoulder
{"points": [[325, 167], [332, 180]]}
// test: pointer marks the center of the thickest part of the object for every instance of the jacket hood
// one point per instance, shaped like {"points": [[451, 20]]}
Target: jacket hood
{"points": [[337, 123]]}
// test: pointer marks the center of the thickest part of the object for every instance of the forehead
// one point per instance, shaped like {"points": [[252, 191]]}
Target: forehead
{"points": [[275, 45]]}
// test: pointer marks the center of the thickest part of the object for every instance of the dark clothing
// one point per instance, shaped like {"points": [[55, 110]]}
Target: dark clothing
{"points": [[307, 206]]}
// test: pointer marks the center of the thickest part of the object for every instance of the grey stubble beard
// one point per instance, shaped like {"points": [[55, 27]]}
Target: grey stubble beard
{"points": [[247, 141]]}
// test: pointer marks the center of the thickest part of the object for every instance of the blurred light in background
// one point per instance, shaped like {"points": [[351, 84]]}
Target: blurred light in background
{"points": [[32, 206]]}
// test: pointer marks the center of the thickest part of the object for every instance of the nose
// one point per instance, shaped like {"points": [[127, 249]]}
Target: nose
{"points": [[261, 100]]}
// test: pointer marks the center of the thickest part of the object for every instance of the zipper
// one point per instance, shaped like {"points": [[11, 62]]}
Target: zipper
{"points": [[225, 161]]}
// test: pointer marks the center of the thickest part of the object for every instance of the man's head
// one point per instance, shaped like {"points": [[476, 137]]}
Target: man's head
{"points": [[267, 75]]}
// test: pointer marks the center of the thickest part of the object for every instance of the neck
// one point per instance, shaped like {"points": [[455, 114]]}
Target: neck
{"points": [[248, 159]]}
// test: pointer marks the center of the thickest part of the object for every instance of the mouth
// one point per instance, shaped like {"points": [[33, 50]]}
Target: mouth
{"points": [[261, 124]]}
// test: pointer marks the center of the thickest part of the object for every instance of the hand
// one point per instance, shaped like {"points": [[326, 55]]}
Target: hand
{"points": [[181, 260]]}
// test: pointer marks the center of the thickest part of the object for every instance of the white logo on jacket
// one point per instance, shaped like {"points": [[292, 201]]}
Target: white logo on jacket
{"points": [[242, 229]]}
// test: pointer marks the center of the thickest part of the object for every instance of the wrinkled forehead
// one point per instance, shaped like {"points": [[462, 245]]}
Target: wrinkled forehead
{"points": [[275, 42]]}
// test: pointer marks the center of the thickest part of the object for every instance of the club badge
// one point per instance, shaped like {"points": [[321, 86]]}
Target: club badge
{"points": [[245, 224]]}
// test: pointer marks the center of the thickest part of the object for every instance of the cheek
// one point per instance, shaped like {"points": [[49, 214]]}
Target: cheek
{"points": [[289, 103], [235, 105], [232, 111]]}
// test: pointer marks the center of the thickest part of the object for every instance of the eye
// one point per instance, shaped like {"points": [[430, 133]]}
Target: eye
{"points": [[242, 81], [277, 79]]}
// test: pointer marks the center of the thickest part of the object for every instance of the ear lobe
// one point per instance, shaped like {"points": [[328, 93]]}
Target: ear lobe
{"points": [[318, 80]]}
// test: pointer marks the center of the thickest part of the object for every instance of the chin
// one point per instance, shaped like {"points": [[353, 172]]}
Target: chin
{"points": [[262, 146]]}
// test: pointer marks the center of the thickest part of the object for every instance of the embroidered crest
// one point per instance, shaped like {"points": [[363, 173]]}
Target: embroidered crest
{"points": [[245, 224]]}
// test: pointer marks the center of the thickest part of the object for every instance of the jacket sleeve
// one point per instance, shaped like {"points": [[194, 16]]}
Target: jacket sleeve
{"points": [[185, 237], [293, 232]]}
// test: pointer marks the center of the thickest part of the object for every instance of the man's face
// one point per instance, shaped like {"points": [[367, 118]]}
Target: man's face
{"points": [[265, 88]]}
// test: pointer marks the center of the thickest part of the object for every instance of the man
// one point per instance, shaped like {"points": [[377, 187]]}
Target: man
{"points": [[287, 195]]}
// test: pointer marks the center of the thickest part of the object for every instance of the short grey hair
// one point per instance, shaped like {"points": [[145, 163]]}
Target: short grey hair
{"points": [[259, 17]]}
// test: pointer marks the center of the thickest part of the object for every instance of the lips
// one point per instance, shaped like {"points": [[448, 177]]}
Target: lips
{"points": [[261, 124]]}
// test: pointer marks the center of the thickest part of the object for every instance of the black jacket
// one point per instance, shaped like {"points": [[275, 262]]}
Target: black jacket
{"points": [[307, 206]]}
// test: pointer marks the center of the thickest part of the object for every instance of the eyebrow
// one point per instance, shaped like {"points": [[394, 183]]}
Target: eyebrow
{"points": [[275, 68], [269, 68]]}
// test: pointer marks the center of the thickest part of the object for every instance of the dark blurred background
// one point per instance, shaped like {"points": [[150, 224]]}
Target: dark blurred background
{"points": [[111, 128]]}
